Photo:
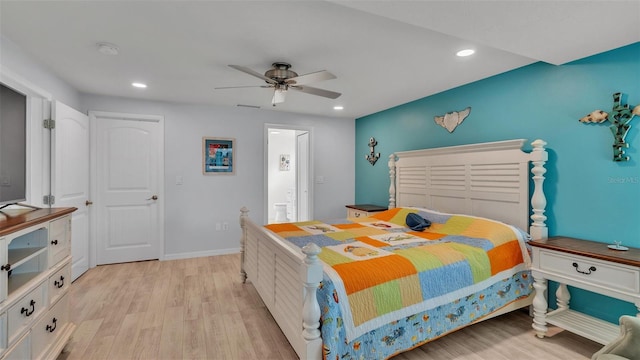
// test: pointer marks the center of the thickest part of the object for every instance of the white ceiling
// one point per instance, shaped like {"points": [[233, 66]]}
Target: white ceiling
{"points": [[384, 53]]}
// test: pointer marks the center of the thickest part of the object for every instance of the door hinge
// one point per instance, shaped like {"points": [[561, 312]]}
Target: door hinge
{"points": [[49, 124], [48, 199]]}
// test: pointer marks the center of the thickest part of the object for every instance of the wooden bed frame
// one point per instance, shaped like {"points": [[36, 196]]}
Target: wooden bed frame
{"points": [[488, 179]]}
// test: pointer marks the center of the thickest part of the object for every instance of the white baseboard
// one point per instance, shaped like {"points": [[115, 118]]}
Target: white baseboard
{"points": [[196, 254]]}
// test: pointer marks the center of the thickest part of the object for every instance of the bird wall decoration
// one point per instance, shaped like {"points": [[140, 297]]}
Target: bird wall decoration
{"points": [[451, 120]]}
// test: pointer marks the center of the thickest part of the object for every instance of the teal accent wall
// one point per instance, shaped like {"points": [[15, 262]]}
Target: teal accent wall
{"points": [[589, 196]]}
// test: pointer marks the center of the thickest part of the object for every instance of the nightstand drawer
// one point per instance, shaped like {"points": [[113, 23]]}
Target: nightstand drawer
{"points": [[606, 274], [363, 210], [356, 213]]}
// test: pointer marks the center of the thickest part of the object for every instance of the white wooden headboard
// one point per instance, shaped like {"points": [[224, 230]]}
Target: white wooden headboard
{"points": [[487, 179]]}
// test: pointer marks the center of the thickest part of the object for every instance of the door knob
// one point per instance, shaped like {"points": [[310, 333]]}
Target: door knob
{"points": [[88, 202], [154, 197]]}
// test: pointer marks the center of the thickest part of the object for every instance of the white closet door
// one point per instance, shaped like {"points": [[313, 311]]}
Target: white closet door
{"points": [[70, 177], [128, 186]]}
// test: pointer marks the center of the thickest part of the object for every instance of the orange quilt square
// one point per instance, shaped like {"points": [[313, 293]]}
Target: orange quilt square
{"points": [[359, 275], [278, 228], [505, 256]]}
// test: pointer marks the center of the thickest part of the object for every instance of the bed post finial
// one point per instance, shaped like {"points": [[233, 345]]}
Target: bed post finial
{"points": [[392, 178], [310, 308], [244, 213], [539, 157]]}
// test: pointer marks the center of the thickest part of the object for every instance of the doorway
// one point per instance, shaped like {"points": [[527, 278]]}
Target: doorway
{"points": [[127, 183], [288, 167]]}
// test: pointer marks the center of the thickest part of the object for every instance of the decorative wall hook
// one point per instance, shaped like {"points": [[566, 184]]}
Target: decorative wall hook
{"points": [[621, 116], [372, 156], [451, 120]]}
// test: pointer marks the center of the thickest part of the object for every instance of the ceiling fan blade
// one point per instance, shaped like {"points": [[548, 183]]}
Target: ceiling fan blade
{"points": [[311, 78], [316, 91], [248, 86], [253, 73]]}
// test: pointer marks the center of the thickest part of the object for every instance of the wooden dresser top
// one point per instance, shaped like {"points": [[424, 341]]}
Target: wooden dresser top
{"points": [[12, 220], [590, 249]]}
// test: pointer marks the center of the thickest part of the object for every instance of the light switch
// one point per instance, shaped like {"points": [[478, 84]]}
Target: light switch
{"points": [[179, 180]]}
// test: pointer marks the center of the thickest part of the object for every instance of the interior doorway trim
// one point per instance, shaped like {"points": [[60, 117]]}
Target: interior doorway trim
{"points": [[265, 201]]}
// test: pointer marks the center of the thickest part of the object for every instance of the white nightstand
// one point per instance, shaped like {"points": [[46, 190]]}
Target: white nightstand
{"points": [[363, 210], [587, 265]]}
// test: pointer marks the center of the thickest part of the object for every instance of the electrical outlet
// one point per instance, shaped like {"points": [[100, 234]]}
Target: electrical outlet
{"points": [[225, 226]]}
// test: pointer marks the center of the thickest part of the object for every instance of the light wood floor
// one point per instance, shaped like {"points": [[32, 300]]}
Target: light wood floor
{"points": [[199, 309]]}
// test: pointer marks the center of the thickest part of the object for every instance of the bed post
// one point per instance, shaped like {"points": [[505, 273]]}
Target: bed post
{"points": [[311, 308], [539, 156], [243, 216], [392, 177]]}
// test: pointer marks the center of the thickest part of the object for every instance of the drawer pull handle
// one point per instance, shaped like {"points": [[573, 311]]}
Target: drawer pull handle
{"points": [[54, 242], [357, 214], [26, 311], [591, 269], [52, 328], [60, 283]]}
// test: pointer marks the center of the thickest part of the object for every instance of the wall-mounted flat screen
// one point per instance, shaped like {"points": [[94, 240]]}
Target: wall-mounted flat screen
{"points": [[13, 146]]}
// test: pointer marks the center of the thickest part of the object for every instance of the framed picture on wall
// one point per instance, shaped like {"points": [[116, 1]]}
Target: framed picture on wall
{"points": [[285, 161], [218, 155]]}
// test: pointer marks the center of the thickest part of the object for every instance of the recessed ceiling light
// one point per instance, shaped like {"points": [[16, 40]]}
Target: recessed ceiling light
{"points": [[465, 52], [108, 48], [139, 85], [338, 107]]}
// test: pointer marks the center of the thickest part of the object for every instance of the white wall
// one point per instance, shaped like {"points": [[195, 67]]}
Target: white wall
{"points": [[192, 209], [16, 64]]}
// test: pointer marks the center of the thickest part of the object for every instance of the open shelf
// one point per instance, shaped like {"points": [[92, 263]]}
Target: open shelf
{"points": [[600, 331], [16, 281], [17, 257]]}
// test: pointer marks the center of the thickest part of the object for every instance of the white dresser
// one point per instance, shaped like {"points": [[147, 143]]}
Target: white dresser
{"points": [[587, 265], [35, 275]]}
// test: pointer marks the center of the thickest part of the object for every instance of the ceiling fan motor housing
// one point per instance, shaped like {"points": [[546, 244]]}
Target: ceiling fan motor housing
{"points": [[280, 72]]}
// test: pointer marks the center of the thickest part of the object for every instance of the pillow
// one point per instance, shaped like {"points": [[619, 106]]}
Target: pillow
{"points": [[417, 222]]}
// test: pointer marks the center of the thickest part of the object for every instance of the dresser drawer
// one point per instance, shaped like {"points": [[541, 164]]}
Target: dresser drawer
{"points": [[21, 350], [593, 271], [59, 235], [47, 330], [22, 314], [59, 283]]}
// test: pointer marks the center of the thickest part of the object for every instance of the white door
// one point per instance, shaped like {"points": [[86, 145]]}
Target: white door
{"points": [[70, 177], [302, 158], [128, 166]]}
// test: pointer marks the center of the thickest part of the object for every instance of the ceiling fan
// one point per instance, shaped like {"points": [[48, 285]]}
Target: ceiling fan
{"points": [[280, 78]]}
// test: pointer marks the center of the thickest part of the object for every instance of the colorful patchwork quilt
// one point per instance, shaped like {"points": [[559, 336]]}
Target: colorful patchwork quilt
{"points": [[381, 272]]}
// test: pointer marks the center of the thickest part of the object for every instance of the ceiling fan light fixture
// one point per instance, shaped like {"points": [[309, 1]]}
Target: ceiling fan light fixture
{"points": [[278, 96]]}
